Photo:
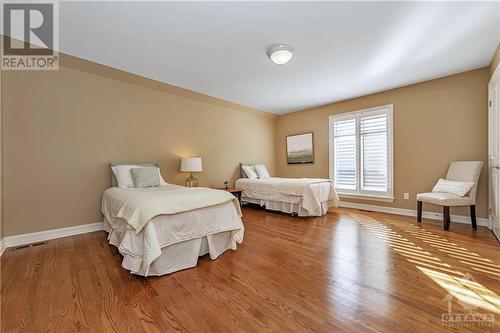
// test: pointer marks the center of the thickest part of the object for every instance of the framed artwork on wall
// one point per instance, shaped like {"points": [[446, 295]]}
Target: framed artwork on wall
{"points": [[299, 148]]}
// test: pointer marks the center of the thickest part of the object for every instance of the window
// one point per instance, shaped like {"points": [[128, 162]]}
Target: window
{"points": [[361, 152]]}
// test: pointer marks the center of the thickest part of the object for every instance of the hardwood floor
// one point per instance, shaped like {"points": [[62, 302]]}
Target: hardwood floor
{"points": [[347, 271]]}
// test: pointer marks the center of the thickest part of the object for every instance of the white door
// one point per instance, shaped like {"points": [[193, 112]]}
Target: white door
{"points": [[494, 152]]}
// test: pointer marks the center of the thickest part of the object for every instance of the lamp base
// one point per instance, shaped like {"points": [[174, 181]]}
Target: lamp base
{"points": [[192, 181]]}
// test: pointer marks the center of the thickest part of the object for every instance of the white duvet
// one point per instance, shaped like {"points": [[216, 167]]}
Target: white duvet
{"points": [[139, 205], [165, 230], [310, 193]]}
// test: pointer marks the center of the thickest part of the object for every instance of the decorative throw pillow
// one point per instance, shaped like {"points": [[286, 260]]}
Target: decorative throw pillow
{"points": [[145, 177], [243, 175], [261, 171], [453, 186], [249, 171], [124, 177]]}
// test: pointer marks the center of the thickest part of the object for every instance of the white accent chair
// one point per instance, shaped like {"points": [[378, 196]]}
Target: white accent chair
{"points": [[466, 171]]}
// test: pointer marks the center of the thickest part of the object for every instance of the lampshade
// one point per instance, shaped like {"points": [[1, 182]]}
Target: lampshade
{"points": [[191, 164]]}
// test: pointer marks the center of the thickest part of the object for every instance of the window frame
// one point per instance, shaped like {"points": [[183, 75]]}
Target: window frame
{"points": [[358, 192]]}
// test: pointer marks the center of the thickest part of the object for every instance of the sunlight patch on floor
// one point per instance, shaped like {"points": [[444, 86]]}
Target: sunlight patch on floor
{"points": [[464, 291], [480, 264], [457, 284]]}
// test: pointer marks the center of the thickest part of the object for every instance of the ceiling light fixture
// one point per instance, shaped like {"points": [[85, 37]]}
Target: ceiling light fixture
{"points": [[280, 54]]}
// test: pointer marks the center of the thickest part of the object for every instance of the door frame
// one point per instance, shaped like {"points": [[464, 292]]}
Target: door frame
{"points": [[494, 77]]}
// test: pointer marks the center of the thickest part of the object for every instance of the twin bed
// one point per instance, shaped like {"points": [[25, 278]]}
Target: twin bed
{"points": [[302, 197], [296, 196], [165, 228]]}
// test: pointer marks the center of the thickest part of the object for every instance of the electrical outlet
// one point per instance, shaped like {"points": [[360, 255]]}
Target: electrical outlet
{"points": [[406, 196]]}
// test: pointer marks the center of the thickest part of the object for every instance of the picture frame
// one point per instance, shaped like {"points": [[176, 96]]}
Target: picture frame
{"points": [[300, 148]]}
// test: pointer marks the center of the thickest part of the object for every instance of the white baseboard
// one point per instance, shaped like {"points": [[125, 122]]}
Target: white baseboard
{"points": [[2, 246], [410, 212], [42, 236]]}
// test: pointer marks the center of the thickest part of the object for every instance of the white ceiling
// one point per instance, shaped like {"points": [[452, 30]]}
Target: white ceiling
{"points": [[343, 50]]}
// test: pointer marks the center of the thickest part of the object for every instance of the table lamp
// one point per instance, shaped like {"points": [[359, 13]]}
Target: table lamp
{"points": [[191, 164]]}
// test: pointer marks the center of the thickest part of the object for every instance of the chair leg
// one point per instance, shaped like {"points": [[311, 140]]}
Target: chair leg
{"points": [[473, 216], [446, 218], [419, 211]]}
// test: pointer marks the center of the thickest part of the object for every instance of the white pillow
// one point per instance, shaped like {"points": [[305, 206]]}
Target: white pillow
{"points": [[124, 177], [453, 186], [261, 171], [249, 170]]}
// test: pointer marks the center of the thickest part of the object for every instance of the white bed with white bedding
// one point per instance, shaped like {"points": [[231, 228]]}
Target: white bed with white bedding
{"points": [[163, 229], [301, 196]]}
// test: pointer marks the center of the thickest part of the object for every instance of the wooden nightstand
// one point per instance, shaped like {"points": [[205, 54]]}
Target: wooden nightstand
{"points": [[234, 191]]}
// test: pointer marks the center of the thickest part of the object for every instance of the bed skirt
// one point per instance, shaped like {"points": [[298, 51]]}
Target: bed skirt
{"points": [[285, 207], [177, 256]]}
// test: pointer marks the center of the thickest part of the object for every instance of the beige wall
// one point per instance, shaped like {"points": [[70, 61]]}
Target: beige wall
{"points": [[495, 61], [435, 122], [62, 128]]}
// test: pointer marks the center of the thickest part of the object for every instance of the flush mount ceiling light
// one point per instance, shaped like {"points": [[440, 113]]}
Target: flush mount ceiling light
{"points": [[280, 54]]}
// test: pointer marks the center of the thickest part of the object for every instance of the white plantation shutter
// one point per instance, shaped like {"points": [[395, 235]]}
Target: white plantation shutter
{"points": [[374, 152], [361, 152], [345, 153]]}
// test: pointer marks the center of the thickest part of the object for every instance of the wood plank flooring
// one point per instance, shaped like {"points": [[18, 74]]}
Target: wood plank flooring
{"points": [[349, 271]]}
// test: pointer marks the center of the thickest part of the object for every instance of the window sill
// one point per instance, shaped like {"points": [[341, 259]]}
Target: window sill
{"points": [[366, 197]]}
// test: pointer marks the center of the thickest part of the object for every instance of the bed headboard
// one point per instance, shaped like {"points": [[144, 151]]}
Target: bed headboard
{"points": [[114, 183]]}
